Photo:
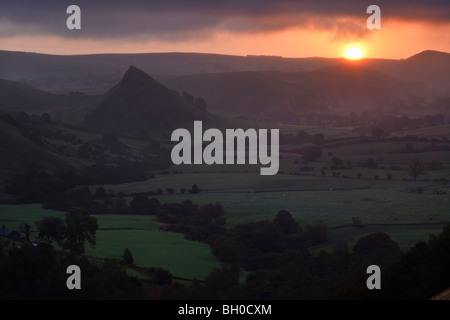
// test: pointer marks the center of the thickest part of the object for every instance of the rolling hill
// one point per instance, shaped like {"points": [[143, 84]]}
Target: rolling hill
{"points": [[20, 148], [16, 96], [256, 87], [96, 73], [286, 94], [138, 104]]}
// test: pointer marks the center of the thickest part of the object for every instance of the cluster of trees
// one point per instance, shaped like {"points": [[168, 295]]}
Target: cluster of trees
{"points": [[275, 255], [419, 274], [70, 233], [196, 101], [279, 265], [415, 168], [393, 123], [30, 271], [39, 272], [341, 274], [196, 222], [258, 244]]}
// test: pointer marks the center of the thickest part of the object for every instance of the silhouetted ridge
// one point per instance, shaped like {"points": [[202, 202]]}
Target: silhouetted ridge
{"points": [[430, 54], [136, 76], [139, 104]]}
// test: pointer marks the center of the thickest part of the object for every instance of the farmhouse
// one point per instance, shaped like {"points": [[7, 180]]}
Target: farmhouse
{"points": [[9, 234]]}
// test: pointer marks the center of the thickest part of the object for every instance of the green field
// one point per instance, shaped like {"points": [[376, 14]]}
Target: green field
{"points": [[186, 259], [310, 199], [149, 247], [12, 216]]}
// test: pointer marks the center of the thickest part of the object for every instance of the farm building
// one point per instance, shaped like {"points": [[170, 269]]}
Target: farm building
{"points": [[10, 234]]}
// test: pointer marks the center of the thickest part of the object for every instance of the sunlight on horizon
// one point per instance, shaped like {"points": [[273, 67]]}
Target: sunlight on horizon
{"points": [[354, 53]]}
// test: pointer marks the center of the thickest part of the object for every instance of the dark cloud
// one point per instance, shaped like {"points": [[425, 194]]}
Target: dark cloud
{"points": [[183, 19]]}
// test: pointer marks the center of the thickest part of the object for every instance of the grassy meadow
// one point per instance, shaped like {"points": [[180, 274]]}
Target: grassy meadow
{"points": [[140, 234]]}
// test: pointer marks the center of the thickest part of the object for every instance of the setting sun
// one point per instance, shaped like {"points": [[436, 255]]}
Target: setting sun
{"points": [[353, 53]]}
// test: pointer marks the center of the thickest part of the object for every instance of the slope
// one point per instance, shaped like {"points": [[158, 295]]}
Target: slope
{"points": [[16, 96], [282, 95], [138, 105], [19, 150]]}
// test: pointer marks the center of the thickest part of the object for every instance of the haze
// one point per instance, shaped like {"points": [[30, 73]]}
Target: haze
{"points": [[284, 28]]}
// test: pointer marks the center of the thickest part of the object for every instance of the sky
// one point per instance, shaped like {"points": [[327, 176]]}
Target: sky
{"points": [[288, 28]]}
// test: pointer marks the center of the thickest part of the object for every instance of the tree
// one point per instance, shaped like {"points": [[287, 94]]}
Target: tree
{"points": [[416, 168], [370, 163], [376, 248], [50, 229], [162, 276], [25, 228], [337, 163], [285, 222], [139, 204], [80, 227], [222, 279], [316, 234], [194, 189], [127, 257]]}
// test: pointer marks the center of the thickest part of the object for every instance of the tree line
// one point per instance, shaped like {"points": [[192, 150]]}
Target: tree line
{"points": [[275, 255]]}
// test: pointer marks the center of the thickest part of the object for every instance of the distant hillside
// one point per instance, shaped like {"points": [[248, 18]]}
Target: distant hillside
{"points": [[256, 87], [96, 73], [21, 146], [245, 92], [430, 67], [138, 104], [70, 107], [16, 96], [352, 83], [286, 94]]}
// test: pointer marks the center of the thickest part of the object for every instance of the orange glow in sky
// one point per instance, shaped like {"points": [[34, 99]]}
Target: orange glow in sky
{"points": [[396, 39]]}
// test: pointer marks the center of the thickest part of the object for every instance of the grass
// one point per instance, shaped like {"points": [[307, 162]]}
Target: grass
{"points": [[235, 182], [109, 221], [184, 258], [150, 247], [13, 215], [309, 199]]}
